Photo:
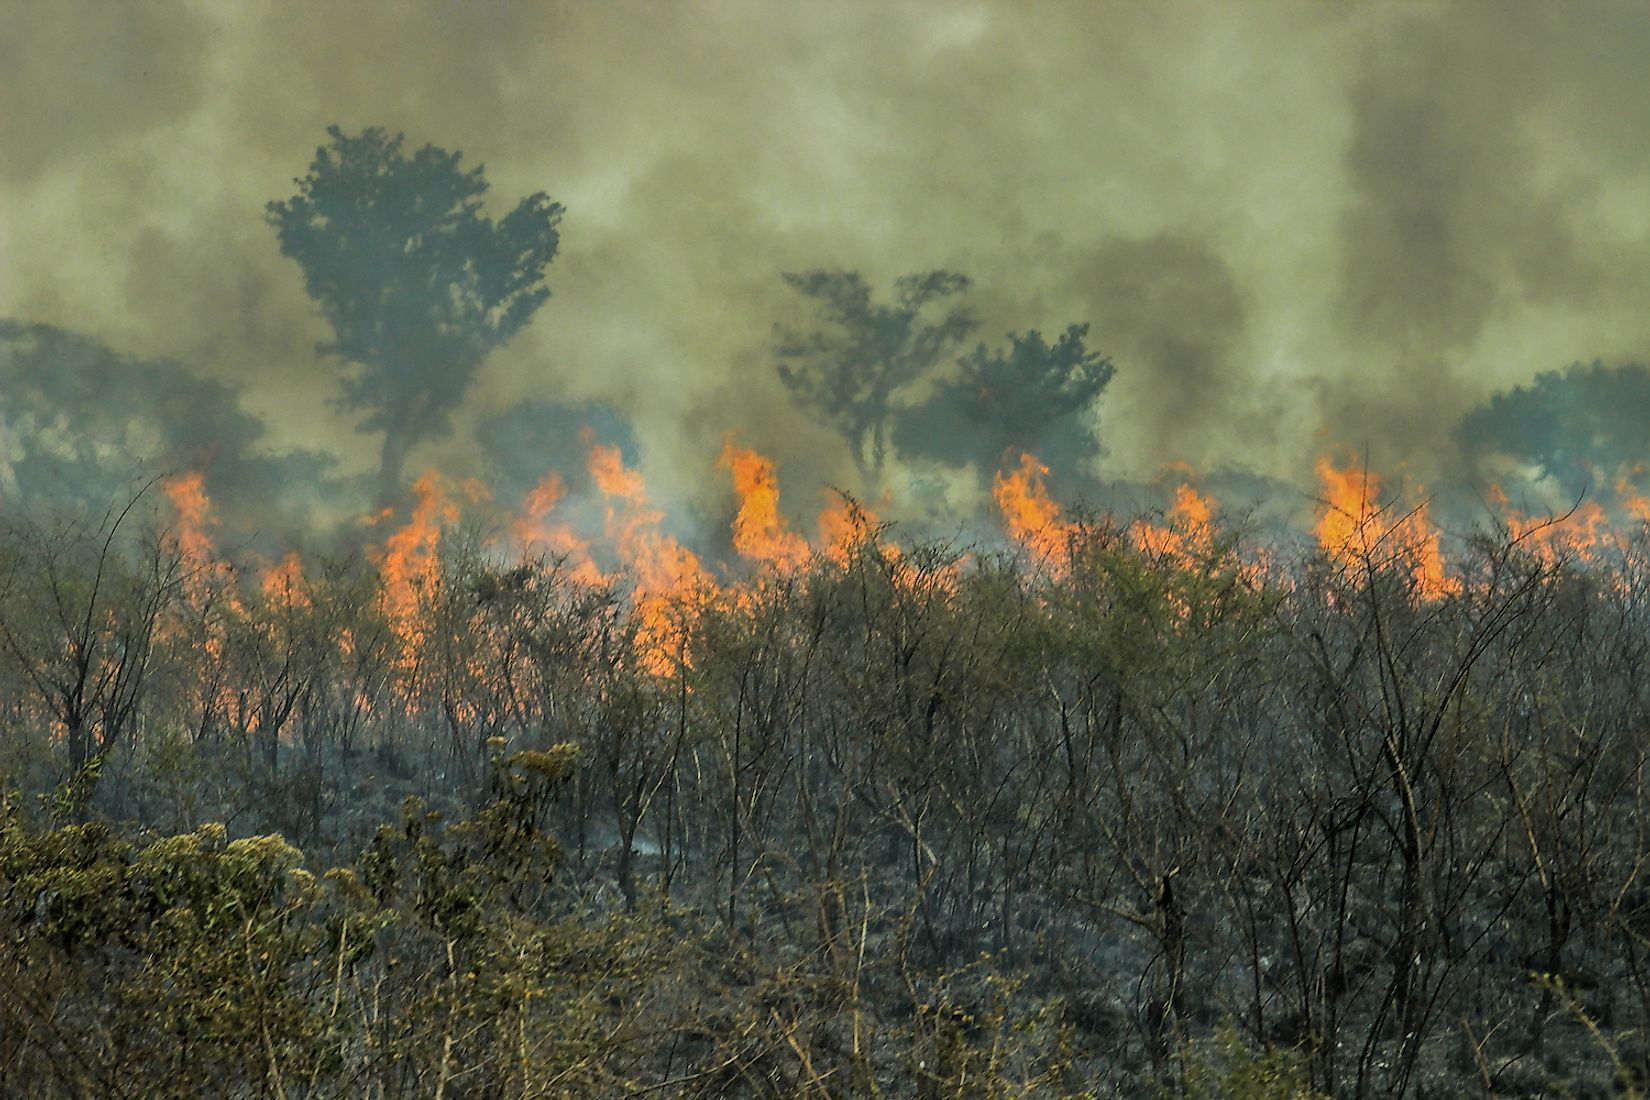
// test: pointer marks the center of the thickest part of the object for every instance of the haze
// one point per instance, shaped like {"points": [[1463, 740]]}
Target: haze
{"points": [[1291, 226]]}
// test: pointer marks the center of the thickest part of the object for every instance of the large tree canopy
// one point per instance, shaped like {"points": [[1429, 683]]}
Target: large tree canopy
{"points": [[1032, 397], [848, 371], [1577, 425], [417, 283]]}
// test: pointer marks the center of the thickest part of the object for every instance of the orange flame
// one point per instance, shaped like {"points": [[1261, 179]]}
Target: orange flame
{"points": [[187, 492], [283, 582], [759, 531], [844, 526], [1635, 502], [613, 478], [669, 584], [1356, 531], [534, 528], [1189, 533], [409, 562], [1582, 531], [1030, 515]]}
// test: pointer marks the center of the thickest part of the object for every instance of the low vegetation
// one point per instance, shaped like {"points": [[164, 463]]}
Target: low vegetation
{"points": [[1133, 817]]}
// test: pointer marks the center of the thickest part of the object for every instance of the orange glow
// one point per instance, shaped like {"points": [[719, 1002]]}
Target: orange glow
{"points": [[187, 492], [283, 582], [1350, 507], [1636, 503], [844, 526], [534, 529], [1582, 531], [214, 694], [669, 586], [1187, 536], [203, 583], [613, 478], [409, 561], [759, 530], [1356, 531], [1030, 515]]}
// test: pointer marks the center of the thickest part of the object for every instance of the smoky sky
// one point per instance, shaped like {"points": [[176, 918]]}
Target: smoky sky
{"points": [[1290, 225]]}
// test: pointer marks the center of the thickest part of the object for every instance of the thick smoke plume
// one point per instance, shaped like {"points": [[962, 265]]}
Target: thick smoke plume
{"points": [[1288, 226]]}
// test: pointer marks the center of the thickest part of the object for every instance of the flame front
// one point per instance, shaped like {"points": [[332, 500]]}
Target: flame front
{"points": [[1636, 504], [1188, 535], [187, 494], [669, 586], [534, 529], [1357, 532], [1030, 515], [759, 530], [1582, 531], [669, 589], [409, 562], [844, 526], [283, 583]]}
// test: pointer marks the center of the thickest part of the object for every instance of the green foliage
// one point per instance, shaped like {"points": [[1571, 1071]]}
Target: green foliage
{"points": [[1227, 1069], [190, 962]]}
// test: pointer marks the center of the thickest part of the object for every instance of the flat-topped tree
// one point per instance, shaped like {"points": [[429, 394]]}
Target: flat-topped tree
{"points": [[848, 371], [417, 283], [1035, 397]]}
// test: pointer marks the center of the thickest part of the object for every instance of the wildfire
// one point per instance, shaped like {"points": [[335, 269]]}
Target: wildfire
{"points": [[669, 586], [1582, 531], [187, 493], [1186, 537], [1030, 515], [283, 583], [1355, 530], [409, 561], [534, 528], [204, 583], [844, 525], [759, 531], [1636, 503]]}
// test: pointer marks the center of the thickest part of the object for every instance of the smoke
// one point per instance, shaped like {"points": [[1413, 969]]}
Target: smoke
{"points": [[1290, 226], [1173, 317], [1482, 158], [83, 428], [93, 76], [535, 438], [1036, 397]]}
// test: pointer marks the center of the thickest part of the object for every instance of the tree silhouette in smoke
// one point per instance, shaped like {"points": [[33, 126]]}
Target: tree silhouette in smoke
{"points": [[1573, 425], [65, 445], [1031, 397], [848, 371], [417, 284]]}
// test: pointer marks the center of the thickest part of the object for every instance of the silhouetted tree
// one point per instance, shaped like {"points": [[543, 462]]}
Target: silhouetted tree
{"points": [[1577, 424], [417, 284], [849, 371], [1030, 397]]}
